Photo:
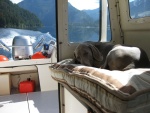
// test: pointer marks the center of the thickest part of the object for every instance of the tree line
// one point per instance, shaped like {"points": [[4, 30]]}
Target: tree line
{"points": [[11, 15]]}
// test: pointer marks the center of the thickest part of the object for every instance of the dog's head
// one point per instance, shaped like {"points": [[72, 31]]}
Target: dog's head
{"points": [[87, 54]]}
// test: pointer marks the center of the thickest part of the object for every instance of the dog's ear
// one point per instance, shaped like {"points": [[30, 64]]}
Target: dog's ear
{"points": [[96, 53], [75, 59], [74, 55]]}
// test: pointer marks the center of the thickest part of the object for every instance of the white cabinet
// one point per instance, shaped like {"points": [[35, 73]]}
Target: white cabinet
{"points": [[5, 84]]}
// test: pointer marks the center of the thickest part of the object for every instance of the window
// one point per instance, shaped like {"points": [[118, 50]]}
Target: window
{"points": [[84, 21], [139, 8], [26, 27]]}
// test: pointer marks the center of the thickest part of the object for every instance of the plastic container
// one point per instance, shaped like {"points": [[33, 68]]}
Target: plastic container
{"points": [[27, 86]]}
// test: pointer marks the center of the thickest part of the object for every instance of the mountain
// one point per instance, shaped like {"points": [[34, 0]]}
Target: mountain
{"points": [[93, 13], [13, 16], [82, 27], [45, 11], [143, 11], [78, 16]]}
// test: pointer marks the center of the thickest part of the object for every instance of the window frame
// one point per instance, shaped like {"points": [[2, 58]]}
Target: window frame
{"points": [[141, 20]]}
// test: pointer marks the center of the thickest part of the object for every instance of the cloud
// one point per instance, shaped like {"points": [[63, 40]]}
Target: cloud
{"points": [[84, 4], [16, 1]]}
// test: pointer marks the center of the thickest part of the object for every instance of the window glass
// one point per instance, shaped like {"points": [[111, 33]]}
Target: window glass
{"points": [[139, 8], [27, 28], [83, 20], [108, 26]]}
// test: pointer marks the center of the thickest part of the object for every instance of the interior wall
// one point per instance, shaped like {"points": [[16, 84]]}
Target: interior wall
{"points": [[136, 32], [114, 21], [138, 38]]}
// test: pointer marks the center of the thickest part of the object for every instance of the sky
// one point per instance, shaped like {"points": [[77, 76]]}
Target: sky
{"points": [[84, 4], [16, 1], [79, 4]]}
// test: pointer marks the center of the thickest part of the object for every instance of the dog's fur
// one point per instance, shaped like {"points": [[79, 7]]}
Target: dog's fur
{"points": [[110, 56], [92, 53]]}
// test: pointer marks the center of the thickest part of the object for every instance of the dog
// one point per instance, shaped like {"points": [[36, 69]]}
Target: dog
{"points": [[92, 53], [110, 56]]}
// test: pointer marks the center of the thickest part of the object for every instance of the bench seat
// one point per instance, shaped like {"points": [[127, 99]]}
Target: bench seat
{"points": [[106, 91]]}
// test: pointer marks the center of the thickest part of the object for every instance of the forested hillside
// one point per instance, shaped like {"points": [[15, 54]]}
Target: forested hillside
{"points": [[11, 15], [45, 11]]}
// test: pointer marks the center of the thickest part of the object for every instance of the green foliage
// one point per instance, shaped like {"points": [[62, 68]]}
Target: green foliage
{"points": [[11, 15]]}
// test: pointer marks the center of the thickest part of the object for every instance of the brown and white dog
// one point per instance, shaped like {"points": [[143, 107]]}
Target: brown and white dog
{"points": [[110, 56]]}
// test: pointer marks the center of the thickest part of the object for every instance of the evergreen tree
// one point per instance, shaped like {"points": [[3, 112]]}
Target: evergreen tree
{"points": [[11, 15]]}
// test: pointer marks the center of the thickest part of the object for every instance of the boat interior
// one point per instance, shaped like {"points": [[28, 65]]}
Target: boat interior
{"points": [[59, 84]]}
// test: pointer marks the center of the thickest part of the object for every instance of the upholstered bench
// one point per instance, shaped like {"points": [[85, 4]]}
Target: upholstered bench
{"points": [[104, 90]]}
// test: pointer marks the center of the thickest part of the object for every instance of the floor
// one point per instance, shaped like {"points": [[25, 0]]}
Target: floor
{"points": [[35, 102]]}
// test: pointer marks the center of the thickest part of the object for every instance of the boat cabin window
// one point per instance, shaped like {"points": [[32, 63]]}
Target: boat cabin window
{"points": [[85, 21], [143, 11], [27, 28]]}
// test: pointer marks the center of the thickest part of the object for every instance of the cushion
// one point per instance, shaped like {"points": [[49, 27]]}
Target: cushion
{"points": [[109, 91]]}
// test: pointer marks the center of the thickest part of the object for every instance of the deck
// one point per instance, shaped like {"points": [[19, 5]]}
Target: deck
{"points": [[35, 102]]}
